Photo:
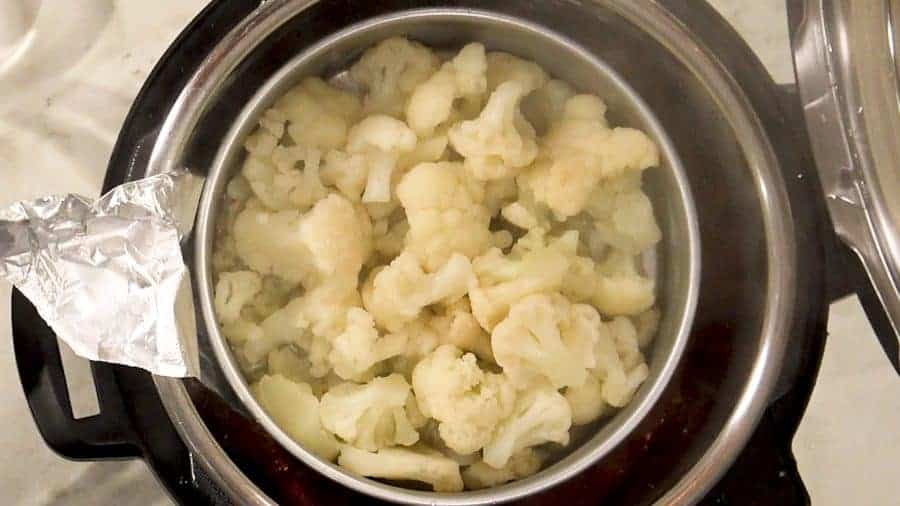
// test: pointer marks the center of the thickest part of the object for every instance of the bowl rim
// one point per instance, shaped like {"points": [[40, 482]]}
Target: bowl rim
{"points": [[591, 450]]}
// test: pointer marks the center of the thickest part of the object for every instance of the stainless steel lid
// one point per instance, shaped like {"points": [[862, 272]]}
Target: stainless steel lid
{"points": [[846, 55]]}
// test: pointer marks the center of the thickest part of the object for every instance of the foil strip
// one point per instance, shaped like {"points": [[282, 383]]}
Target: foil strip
{"points": [[108, 276]]}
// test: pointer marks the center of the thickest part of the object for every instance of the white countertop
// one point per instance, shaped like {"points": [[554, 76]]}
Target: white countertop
{"points": [[68, 73]]}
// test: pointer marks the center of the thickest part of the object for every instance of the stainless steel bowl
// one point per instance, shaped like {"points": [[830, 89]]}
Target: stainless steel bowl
{"points": [[717, 106], [678, 269]]}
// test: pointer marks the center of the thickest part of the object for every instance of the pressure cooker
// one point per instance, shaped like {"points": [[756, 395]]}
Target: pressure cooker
{"points": [[797, 200]]}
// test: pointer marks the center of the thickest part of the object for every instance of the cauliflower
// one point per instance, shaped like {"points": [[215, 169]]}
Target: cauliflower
{"points": [[504, 67], [580, 150], [396, 294], [233, 291], [382, 139], [468, 402], [541, 415], [503, 280], [620, 364], [337, 236], [296, 410], [369, 416], [331, 238], [546, 336], [458, 327], [500, 141], [318, 114], [417, 464], [623, 215], [309, 322], [390, 71], [545, 106], [521, 465], [431, 103], [445, 214], [270, 243], [615, 286], [586, 401], [284, 177], [356, 350]]}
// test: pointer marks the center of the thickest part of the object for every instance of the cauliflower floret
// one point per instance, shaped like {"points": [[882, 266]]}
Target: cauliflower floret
{"points": [[586, 401], [369, 416], [318, 114], [504, 67], [620, 365], [390, 72], [233, 291], [546, 336], [521, 465], [296, 410], [500, 141], [281, 177], [468, 402], [419, 463], [545, 106], [503, 280], [445, 214], [270, 243], [356, 350], [331, 238], [458, 327], [309, 322], [381, 139], [396, 294], [615, 286], [623, 215], [581, 150], [337, 236], [541, 415], [431, 104], [432, 149]]}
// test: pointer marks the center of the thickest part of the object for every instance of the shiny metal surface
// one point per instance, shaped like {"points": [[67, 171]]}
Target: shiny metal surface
{"points": [[847, 70], [80, 260], [740, 145]]}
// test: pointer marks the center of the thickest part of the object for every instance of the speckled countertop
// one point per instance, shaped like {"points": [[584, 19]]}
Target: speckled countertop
{"points": [[68, 73]]}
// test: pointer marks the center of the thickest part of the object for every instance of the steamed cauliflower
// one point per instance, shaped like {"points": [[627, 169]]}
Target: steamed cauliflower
{"points": [[500, 141], [397, 293], [444, 212], [467, 402], [370, 416], [581, 150], [463, 77], [391, 71], [417, 464], [544, 336], [356, 350], [433, 274], [503, 280], [521, 465], [280, 398], [541, 415]]}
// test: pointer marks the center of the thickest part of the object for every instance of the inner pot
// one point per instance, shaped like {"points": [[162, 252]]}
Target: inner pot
{"points": [[748, 290], [675, 264]]}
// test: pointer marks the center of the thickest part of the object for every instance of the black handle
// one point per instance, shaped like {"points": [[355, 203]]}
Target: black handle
{"points": [[107, 435]]}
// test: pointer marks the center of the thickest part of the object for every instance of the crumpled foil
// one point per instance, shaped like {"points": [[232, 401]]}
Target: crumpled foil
{"points": [[108, 275]]}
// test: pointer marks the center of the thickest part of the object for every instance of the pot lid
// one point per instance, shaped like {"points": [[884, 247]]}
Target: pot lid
{"points": [[846, 55]]}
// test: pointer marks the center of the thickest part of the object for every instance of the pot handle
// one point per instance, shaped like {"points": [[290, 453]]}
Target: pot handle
{"points": [[106, 435]]}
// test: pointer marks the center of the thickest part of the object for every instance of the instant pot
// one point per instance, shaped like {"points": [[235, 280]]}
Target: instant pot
{"points": [[796, 192]]}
